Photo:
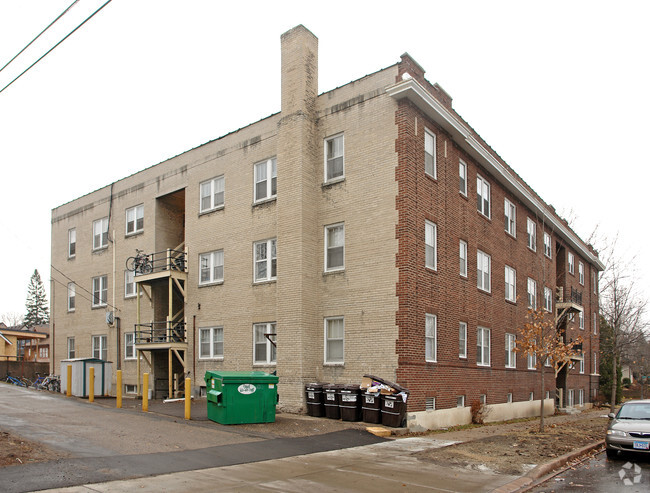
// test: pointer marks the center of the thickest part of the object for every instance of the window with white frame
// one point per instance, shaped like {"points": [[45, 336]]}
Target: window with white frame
{"points": [[265, 260], [547, 362], [100, 349], [100, 291], [71, 349], [266, 178], [129, 283], [72, 242], [510, 213], [511, 283], [334, 158], [595, 322], [130, 388], [483, 196], [509, 398], [460, 401], [430, 153], [462, 177], [594, 284], [547, 395], [212, 194], [211, 265], [581, 363], [100, 233], [334, 340], [531, 230], [581, 397], [531, 361], [483, 271], [211, 343], [430, 241], [129, 345], [548, 299], [482, 346], [135, 219], [462, 340], [511, 361], [594, 363], [571, 261], [532, 294], [430, 337], [569, 398], [264, 350], [581, 320], [463, 258], [334, 247], [482, 399], [72, 296], [430, 404], [548, 245], [531, 396], [581, 273]]}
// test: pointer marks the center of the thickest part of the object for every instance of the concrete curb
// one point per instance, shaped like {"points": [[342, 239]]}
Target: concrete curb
{"points": [[545, 471]]}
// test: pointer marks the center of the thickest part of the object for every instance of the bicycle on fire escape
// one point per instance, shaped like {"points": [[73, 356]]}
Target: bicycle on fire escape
{"points": [[140, 264]]}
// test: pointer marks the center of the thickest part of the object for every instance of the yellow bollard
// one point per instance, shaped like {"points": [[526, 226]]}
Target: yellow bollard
{"points": [[145, 392], [68, 388], [188, 397], [118, 400], [91, 385]]}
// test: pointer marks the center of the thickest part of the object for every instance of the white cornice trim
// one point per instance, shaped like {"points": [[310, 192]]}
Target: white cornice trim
{"points": [[462, 135]]}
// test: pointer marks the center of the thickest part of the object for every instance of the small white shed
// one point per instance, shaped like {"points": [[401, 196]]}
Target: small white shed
{"points": [[81, 376]]}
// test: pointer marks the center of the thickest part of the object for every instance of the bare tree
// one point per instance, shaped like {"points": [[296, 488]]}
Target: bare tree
{"points": [[11, 319]]}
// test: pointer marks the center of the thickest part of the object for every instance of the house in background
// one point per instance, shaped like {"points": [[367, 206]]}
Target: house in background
{"points": [[14, 340], [365, 230], [37, 349]]}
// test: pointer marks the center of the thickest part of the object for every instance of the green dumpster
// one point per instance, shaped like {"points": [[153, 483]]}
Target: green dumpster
{"points": [[238, 397]]}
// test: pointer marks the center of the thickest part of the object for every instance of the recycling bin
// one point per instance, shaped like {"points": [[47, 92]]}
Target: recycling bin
{"points": [[350, 402], [393, 411], [314, 394], [238, 397], [371, 407], [332, 397]]}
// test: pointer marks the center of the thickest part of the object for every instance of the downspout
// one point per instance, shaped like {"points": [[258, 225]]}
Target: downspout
{"points": [[194, 350]]}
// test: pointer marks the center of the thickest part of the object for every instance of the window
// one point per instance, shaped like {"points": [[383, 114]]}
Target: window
{"points": [[595, 322], [334, 247], [430, 241], [212, 194], [511, 361], [130, 388], [483, 271], [569, 398], [462, 340], [483, 346], [211, 342], [548, 245], [531, 229], [531, 361], [71, 352], [462, 177], [72, 242], [482, 399], [100, 233], [430, 153], [334, 158], [460, 401], [129, 284], [581, 320], [264, 350], [71, 296], [509, 397], [266, 178], [100, 291], [532, 294], [581, 367], [595, 364], [548, 299], [571, 260], [510, 217], [511, 284], [100, 350], [129, 345], [531, 396], [483, 196], [594, 284], [430, 339], [547, 395], [265, 260], [581, 273], [135, 220], [547, 362], [581, 397], [430, 404], [334, 340], [463, 258], [211, 267]]}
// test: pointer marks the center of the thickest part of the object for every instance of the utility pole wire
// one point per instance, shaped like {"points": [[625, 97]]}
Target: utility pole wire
{"points": [[51, 49], [30, 43]]}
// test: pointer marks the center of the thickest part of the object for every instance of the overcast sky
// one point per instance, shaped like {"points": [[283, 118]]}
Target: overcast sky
{"points": [[561, 90]]}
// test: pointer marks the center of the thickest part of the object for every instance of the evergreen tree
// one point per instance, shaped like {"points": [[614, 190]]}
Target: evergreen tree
{"points": [[37, 309]]}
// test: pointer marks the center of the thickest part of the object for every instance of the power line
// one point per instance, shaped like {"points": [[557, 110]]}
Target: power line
{"points": [[80, 286], [39, 35], [52, 49]]}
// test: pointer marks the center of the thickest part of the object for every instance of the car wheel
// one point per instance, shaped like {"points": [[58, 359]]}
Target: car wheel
{"points": [[611, 453]]}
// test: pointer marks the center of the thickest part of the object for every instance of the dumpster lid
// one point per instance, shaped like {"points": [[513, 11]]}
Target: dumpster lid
{"points": [[373, 378], [241, 376]]}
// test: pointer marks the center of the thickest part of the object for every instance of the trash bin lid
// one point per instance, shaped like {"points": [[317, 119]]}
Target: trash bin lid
{"points": [[350, 388], [241, 376], [314, 386], [395, 386], [332, 387]]}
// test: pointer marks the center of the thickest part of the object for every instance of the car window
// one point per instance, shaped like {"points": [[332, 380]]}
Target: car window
{"points": [[634, 411]]}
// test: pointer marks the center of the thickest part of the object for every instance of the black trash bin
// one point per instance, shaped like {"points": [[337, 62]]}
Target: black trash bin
{"points": [[331, 400], [393, 411], [314, 393], [371, 407], [350, 402]]}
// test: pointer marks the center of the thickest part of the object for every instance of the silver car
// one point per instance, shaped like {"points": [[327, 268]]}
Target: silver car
{"points": [[629, 429]]}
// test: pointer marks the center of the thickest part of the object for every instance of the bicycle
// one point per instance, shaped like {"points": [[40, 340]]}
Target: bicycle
{"points": [[51, 383], [13, 380], [141, 263], [38, 383]]}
